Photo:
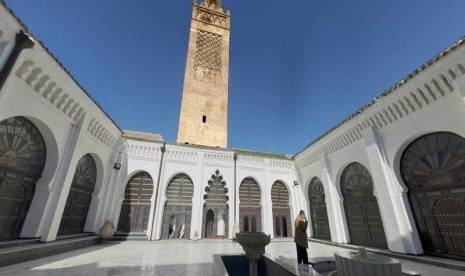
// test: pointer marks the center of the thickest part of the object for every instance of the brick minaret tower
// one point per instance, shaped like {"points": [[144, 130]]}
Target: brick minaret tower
{"points": [[204, 109]]}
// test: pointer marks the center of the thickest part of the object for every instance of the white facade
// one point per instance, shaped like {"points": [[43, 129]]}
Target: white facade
{"points": [[429, 100], [199, 163], [72, 125], [38, 88]]}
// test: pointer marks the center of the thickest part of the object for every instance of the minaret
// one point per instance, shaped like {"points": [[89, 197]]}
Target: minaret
{"points": [[204, 108]]}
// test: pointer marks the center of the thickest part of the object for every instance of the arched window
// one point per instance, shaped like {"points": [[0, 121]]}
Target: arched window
{"points": [[280, 201], [135, 210], [433, 168], [178, 204], [284, 228], [246, 224], [361, 207], [254, 224], [210, 218], [277, 226], [250, 197], [79, 197], [22, 160], [216, 199], [318, 212]]}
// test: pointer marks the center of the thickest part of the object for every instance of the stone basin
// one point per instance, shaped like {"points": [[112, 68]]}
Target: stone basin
{"points": [[253, 243], [351, 263], [254, 247]]}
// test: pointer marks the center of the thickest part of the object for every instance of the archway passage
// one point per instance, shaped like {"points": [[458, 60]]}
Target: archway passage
{"points": [[318, 212], [361, 207], [281, 209], [433, 168], [209, 221], [216, 198], [178, 208], [250, 210], [79, 197], [135, 210], [22, 159]]}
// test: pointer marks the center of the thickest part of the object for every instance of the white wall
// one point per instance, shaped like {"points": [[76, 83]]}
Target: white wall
{"points": [[431, 100]]}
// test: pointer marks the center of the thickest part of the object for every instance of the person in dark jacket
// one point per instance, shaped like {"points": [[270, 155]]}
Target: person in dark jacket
{"points": [[300, 238]]}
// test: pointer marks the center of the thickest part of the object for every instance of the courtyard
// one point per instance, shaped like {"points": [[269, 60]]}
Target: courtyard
{"points": [[177, 258]]}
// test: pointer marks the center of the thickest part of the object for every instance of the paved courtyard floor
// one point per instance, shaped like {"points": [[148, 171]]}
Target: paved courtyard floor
{"points": [[170, 258]]}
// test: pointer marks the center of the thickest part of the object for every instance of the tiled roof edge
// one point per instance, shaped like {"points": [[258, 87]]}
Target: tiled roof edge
{"points": [[25, 29], [390, 90], [237, 151]]}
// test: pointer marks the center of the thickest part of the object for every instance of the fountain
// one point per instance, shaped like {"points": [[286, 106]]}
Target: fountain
{"points": [[366, 264], [254, 247]]}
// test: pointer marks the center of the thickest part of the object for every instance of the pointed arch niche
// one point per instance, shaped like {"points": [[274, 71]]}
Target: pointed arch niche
{"points": [[22, 160], [79, 197], [281, 210], [361, 207], [215, 210], [178, 208], [250, 210], [433, 169], [318, 212], [135, 210]]}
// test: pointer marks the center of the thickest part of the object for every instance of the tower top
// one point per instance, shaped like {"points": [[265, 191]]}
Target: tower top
{"points": [[210, 4]]}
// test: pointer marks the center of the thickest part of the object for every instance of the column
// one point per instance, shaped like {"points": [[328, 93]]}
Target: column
{"points": [[334, 204], [400, 237]]}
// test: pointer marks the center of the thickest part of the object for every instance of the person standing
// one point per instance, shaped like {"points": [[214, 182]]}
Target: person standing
{"points": [[300, 239]]}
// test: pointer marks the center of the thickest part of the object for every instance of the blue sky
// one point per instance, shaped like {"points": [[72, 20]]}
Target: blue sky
{"points": [[297, 68]]}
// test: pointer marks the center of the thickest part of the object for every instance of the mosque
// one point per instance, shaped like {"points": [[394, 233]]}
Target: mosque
{"points": [[391, 175]]}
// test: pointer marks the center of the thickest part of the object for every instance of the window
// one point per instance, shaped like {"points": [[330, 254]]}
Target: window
{"points": [[204, 119]]}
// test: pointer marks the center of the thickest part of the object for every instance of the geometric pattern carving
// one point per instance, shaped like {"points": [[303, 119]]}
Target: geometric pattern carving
{"points": [[250, 210], [135, 209], [433, 168], [316, 190], [208, 53], [356, 181], [281, 209], [178, 208], [21, 146], [79, 197], [22, 158], [210, 17], [279, 195], [361, 207], [215, 209], [434, 161], [320, 224]]}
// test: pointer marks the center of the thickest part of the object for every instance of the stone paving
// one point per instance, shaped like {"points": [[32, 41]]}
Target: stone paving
{"points": [[170, 258]]}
